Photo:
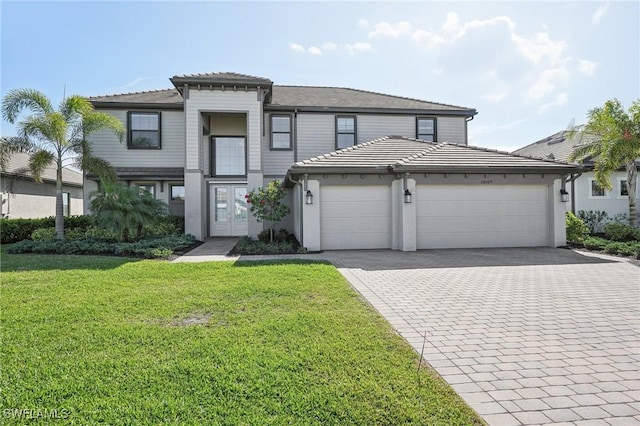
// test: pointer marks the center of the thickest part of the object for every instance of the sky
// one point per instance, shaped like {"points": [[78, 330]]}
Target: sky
{"points": [[530, 68]]}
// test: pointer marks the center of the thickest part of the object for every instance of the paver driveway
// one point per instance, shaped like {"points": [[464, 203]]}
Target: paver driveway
{"points": [[525, 336]]}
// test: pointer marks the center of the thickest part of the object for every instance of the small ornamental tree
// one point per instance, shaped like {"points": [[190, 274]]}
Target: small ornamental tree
{"points": [[266, 204]]}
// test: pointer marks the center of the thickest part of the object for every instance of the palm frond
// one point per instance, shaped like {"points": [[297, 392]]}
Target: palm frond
{"points": [[11, 145], [18, 99], [75, 106], [38, 162]]}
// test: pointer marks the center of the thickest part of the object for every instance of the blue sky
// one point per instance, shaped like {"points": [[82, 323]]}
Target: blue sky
{"points": [[529, 68]]}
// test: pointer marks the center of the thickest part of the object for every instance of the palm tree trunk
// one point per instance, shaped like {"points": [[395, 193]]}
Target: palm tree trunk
{"points": [[59, 207], [632, 176]]}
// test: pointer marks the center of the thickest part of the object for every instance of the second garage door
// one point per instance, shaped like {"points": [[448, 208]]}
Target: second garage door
{"points": [[355, 217], [466, 216]]}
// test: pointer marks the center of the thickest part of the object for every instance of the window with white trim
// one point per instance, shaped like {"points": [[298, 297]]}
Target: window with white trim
{"points": [[66, 204], [595, 190], [623, 189], [144, 187]]}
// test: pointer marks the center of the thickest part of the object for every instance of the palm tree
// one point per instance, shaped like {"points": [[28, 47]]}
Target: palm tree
{"points": [[126, 209], [616, 144], [52, 136]]}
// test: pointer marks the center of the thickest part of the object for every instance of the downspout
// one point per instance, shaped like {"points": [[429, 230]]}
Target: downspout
{"points": [[297, 182], [466, 128], [295, 135], [572, 180]]}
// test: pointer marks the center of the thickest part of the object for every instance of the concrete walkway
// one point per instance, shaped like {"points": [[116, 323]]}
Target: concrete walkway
{"points": [[525, 336], [213, 249]]}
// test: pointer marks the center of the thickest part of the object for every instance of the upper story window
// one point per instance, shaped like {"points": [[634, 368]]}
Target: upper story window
{"points": [[281, 132], [345, 131], [426, 129], [144, 130], [228, 156]]}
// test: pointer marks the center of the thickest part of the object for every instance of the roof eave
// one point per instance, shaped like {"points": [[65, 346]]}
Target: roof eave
{"points": [[412, 111], [137, 105], [560, 169]]}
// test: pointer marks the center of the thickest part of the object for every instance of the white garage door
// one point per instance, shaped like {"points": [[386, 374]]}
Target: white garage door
{"points": [[459, 216], [355, 217]]}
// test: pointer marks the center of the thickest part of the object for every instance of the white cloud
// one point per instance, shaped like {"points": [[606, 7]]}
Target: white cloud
{"points": [[599, 13], [539, 47], [586, 67], [561, 99], [296, 47], [453, 30], [547, 82], [329, 46], [427, 39], [385, 29], [358, 48], [363, 23], [314, 51]]}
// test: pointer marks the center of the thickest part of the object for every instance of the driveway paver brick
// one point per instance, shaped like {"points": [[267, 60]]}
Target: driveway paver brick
{"points": [[525, 336]]}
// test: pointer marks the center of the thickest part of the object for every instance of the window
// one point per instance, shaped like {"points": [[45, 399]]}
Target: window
{"points": [[623, 189], [177, 192], [426, 129], [596, 190], [345, 131], [281, 132], [144, 130], [150, 188], [228, 156], [66, 203]]}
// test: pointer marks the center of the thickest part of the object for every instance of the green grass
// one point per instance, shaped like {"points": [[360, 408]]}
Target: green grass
{"points": [[109, 340]]}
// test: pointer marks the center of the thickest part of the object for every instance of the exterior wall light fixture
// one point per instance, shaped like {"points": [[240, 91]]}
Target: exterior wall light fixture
{"points": [[308, 198], [407, 196], [564, 195]]}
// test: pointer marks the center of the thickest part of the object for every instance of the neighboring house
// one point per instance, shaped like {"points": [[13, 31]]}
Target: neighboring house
{"points": [[584, 191], [22, 197], [202, 145]]}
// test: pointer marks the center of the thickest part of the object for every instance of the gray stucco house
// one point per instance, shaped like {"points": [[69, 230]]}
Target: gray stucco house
{"points": [[584, 192], [364, 169], [22, 197]]}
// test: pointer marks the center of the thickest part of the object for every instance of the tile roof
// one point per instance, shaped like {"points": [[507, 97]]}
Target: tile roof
{"points": [[220, 78], [286, 97], [18, 165], [152, 97], [341, 97], [557, 146], [395, 154]]}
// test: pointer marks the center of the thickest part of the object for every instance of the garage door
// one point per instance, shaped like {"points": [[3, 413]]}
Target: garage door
{"points": [[464, 216], [355, 217]]}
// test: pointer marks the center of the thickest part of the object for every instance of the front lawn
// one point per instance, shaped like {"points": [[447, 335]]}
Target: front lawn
{"points": [[124, 341]]}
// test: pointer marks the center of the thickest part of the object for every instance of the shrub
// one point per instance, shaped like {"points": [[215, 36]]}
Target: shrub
{"points": [[14, 230], [619, 231], [594, 219], [44, 234], [595, 243], [150, 248], [576, 228], [624, 249], [247, 246]]}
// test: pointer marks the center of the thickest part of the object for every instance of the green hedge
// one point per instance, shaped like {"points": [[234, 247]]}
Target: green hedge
{"points": [[13, 230], [150, 248]]}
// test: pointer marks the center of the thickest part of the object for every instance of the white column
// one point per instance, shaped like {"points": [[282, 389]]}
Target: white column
{"points": [[311, 219], [557, 212], [403, 216]]}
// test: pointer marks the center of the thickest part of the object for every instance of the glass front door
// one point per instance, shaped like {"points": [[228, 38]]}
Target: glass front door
{"points": [[229, 213]]}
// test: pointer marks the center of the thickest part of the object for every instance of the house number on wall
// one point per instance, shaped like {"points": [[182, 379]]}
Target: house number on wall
{"points": [[486, 182]]}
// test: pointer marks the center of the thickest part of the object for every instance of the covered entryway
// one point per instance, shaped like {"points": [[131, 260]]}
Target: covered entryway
{"points": [[474, 216], [229, 214], [355, 217]]}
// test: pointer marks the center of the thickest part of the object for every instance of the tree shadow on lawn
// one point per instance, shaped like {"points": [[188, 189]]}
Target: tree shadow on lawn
{"points": [[248, 263], [59, 262]]}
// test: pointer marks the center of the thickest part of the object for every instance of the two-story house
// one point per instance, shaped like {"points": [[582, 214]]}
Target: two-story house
{"points": [[365, 170]]}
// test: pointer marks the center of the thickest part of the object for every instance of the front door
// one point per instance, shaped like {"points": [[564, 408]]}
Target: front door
{"points": [[229, 212]]}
